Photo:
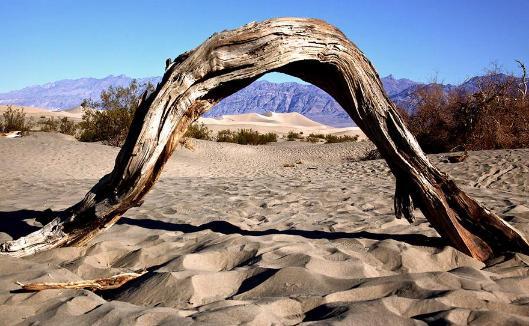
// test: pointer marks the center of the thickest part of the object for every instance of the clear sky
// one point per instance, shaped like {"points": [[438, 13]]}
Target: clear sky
{"points": [[43, 41]]}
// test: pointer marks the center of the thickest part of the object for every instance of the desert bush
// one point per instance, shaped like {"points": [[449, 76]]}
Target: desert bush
{"points": [[430, 122], [246, 137], [49, 124], [225, 136], [198, 131], [67, 127], [370, 154], [496, 116], [62, 125], [109, 119], [329, 139], [320, 136], [15, 120], [312, 139], [292, 135], [109, 126], [315, 138]]}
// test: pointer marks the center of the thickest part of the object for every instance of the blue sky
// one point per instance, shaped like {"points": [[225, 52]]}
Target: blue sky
{"points": [[43, 41]]}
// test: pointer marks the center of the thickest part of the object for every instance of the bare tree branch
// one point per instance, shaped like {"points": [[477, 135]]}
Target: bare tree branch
{"points": [[523, 84]]}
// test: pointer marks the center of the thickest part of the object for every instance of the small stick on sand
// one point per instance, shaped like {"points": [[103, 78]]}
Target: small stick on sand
{"points": [[107, 283], [456, 158]]}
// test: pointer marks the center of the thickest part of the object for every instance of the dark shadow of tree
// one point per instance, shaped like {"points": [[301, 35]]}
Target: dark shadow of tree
{"points": [[14, 224], [228, 228]]}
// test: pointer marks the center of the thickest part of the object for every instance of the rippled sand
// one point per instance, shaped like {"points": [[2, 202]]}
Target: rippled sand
{"points": [[231, 236]]}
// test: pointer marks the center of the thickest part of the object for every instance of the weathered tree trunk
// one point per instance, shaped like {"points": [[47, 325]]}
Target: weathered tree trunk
{"points": [[228, 61]]}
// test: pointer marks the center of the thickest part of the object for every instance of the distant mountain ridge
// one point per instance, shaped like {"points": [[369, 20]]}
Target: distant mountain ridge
{"points": [[260, 97], [408, 100], [66, 93]]}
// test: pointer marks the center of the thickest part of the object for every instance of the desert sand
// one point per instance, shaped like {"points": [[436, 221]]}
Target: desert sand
{"points": [[229, 235]]}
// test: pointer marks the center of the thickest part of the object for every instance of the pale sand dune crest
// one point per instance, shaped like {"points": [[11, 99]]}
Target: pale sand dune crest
{"points": [[36, 113], [269, 118]]}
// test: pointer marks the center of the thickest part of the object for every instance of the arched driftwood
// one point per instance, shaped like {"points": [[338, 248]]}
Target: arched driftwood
{"points": [[228, 61]]}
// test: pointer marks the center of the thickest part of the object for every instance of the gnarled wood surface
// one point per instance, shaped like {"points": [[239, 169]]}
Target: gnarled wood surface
{"points": [[106, 283], [228, 61]]}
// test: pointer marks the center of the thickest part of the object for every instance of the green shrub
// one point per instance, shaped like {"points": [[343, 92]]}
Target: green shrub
{"points": [[67, 127], [49, 125], [371, 154], [198, 131], [321, 136], [225, 136], [15, 120], [110, 124], [329, 139], [246, 137], [312, 139], [292, 135]]}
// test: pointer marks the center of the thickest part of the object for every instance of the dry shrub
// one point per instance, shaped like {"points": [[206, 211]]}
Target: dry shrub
{"points": [[49, 124], [496, 116], [67, 127], [111, 122], [430, 122], [246, 137], [370, 154], [330, 139], [109, 127], [15, 120], [62, 125], [292, 135], [312, 139], [315, 138], [198, 131]]}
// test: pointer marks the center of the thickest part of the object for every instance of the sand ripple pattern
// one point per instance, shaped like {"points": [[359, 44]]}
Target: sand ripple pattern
{"points": [[231, 236]]}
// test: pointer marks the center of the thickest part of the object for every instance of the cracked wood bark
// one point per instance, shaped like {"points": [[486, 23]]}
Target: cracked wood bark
{"points": [[228, 61], [105, 283]]}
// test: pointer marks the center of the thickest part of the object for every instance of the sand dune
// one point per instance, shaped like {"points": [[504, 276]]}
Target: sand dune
{"points": [[280, 123], [230, 236], [36, 113], [75, 111], [293, 119]]}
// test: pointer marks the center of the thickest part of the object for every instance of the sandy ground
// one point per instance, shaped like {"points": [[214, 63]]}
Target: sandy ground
{"points": [[231, 236]]}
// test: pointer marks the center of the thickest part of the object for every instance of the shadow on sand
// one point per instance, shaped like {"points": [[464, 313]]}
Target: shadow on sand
{"points": [[227, 228], [14, 224]]}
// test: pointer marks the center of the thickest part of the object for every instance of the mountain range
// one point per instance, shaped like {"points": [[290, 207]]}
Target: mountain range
{"points": [[260, 97]]}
